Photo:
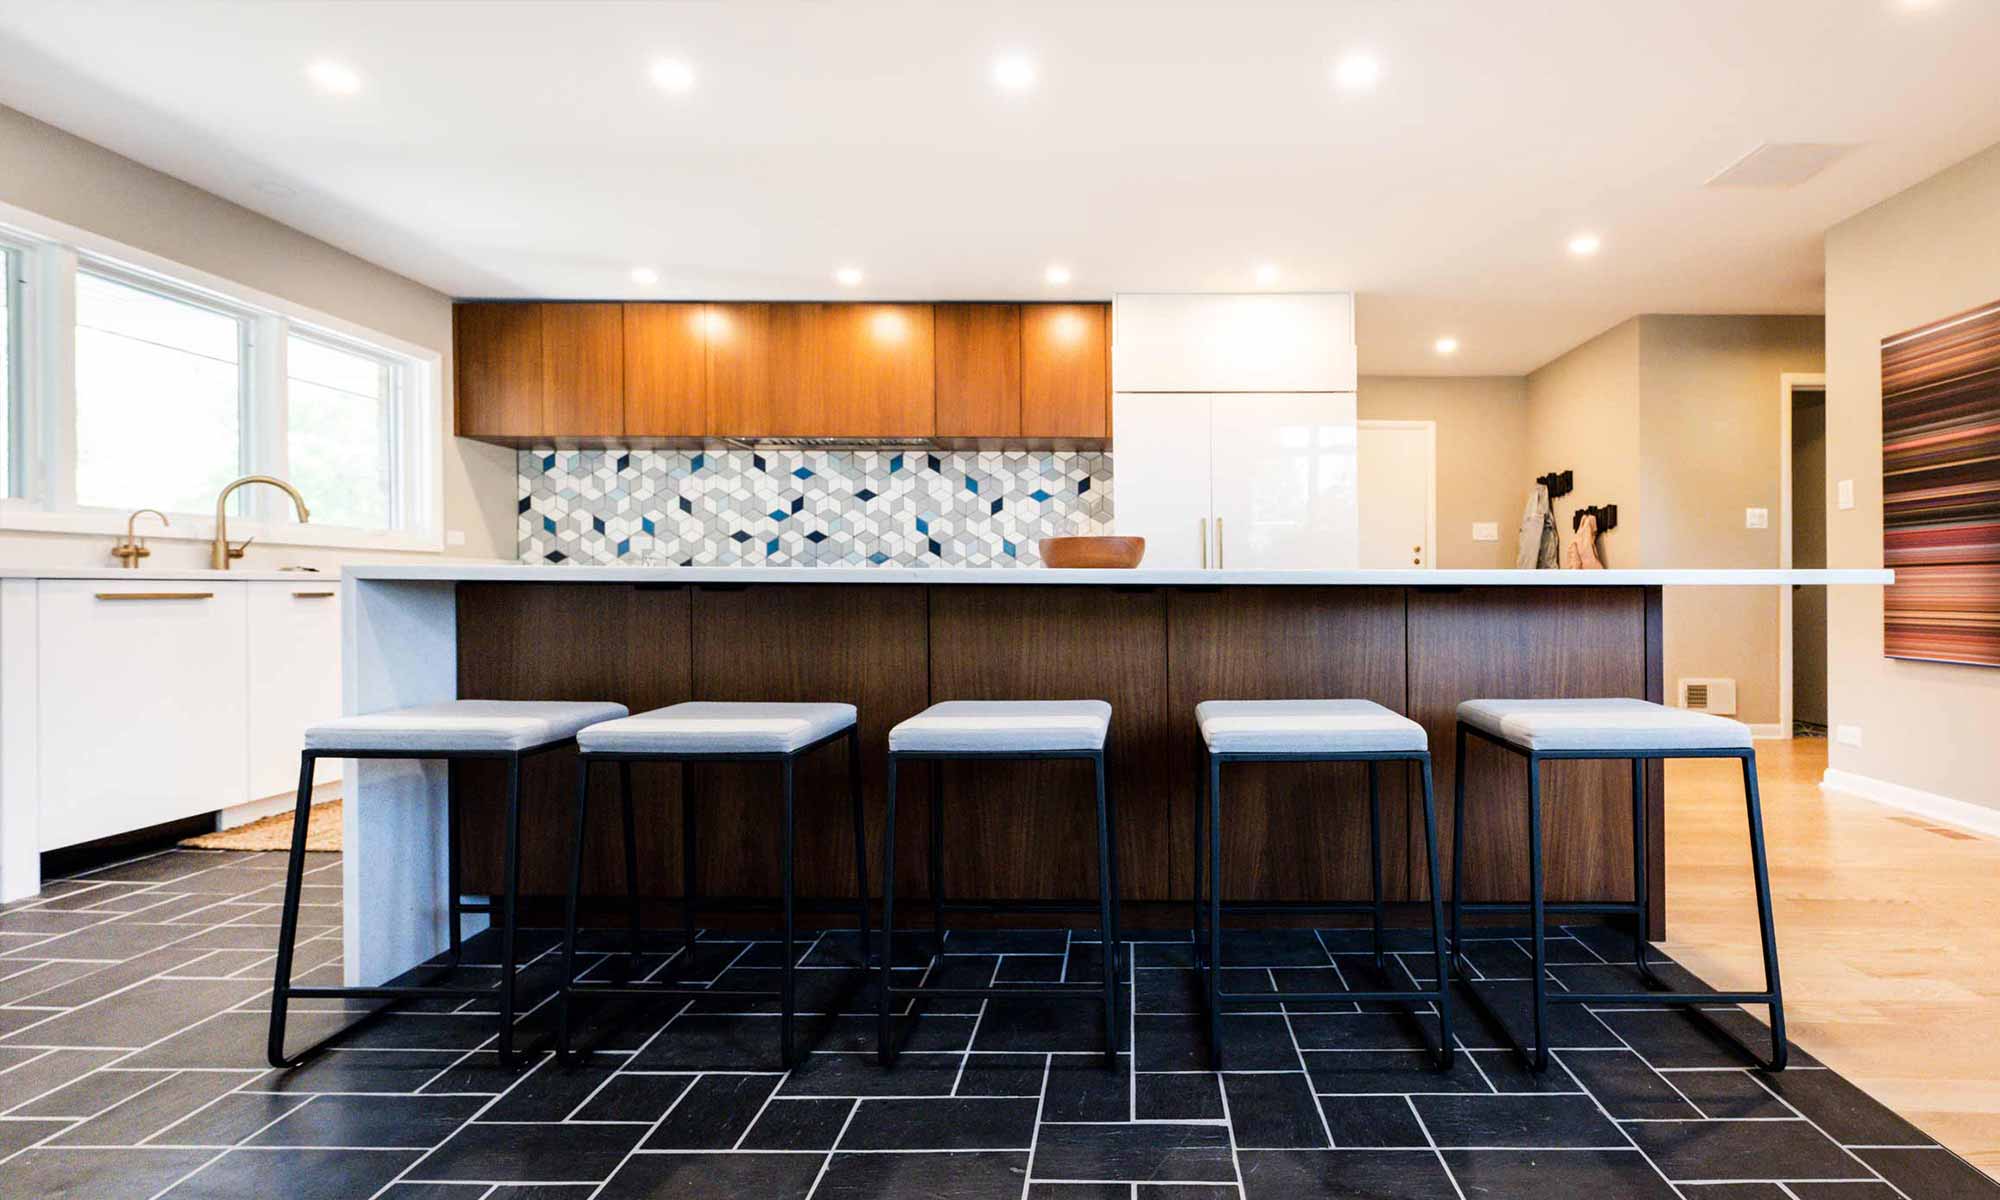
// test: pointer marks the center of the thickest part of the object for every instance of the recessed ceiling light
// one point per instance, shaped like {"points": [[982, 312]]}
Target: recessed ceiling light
{"points": [[1057, 275], [1267, 274], [672, 75], [1447, 345], [334, 77], [1357, 72], [645, 276], [848, 276], [1584, 244], [1014, 72]]}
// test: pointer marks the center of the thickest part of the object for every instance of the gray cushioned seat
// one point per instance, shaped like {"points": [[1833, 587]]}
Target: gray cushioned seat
{"points": [[718, 727], [999, 726], [1618, 723], [475, 725], [1306, 727]]}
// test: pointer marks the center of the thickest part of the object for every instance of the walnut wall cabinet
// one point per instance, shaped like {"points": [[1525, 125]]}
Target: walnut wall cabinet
{"points": [[534, 372]]}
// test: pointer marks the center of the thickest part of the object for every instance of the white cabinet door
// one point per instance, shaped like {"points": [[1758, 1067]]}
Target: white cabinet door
{"points": [[1398, 495], [1297, 342], [294, 668], [142, 711], [1160, 474], [1284, 480]]}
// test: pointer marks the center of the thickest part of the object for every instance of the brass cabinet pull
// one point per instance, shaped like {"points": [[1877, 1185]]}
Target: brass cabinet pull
{"points": [[311, 595], [155, 595], [1201, 534], [1218, 543]]}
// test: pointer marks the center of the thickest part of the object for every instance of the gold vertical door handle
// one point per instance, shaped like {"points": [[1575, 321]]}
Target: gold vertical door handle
{"points": [[1218, 543], [1201, 535]]}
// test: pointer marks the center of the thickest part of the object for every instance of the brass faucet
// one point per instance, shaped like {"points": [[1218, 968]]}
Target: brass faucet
{"points": [[133, 548], [220, 552]]}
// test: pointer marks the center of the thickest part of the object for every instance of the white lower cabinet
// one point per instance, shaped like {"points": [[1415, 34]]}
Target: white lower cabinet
{"points": [[143, 713], [294, 648]]}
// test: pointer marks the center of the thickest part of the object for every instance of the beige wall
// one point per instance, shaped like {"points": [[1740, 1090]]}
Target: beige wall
{"points": [[1583, 416], [1482, 437], [1929, 252], [67, 179], [1709, 430]]}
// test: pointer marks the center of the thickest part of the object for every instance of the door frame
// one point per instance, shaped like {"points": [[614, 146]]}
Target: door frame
{"points": [[1430, 429], [1788, 383]]}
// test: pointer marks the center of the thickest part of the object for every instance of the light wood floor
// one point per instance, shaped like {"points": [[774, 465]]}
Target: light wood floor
{"points": [[1887, 933]]}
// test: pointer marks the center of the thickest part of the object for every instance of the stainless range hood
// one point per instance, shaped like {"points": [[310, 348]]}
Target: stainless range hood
{"points": [[827, 443]]}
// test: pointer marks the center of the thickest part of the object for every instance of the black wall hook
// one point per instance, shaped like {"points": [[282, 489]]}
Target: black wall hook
{"points": [[1559, 483], [1607, 517]]}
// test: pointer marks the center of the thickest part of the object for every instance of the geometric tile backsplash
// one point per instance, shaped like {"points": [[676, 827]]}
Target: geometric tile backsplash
{"points": [[848, 508]]}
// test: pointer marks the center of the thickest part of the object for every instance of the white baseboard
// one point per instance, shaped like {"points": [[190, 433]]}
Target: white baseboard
{"points": [[1976, 818], [1770, 733], [257, 810]]}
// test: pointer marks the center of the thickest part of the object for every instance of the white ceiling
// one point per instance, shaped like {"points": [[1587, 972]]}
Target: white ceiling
{"points": [[519, 149]]}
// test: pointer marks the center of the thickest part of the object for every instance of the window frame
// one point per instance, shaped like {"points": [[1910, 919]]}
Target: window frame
{"points": [[52, 254], [13, 400]]}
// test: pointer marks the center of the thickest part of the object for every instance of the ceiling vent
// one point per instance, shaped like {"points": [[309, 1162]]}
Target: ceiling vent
{"points": [[1780, 164], [1716, 696]]}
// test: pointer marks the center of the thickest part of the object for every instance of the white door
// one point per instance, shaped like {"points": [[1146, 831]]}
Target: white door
{"points": [[142, 704], [1398, 494], [1160, 476], [1284, 480], [294, 679]]}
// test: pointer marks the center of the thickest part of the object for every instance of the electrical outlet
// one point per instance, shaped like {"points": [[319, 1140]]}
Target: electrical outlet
{"points": [[454, 537], [1849, 735], [1844, 493], [1756, 518], [1485, 531]]}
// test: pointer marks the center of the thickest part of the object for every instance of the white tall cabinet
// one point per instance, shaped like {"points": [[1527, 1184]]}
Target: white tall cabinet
{"points": [[1236, 441]]}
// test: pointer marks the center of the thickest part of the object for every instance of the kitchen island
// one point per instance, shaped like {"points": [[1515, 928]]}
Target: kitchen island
{"points": [[891, 641]]}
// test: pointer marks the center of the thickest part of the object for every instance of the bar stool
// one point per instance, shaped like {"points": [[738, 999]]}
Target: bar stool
{"points": [[1267, 731], [452, 732], [708, 731], [1618, 728], [984, 730]]}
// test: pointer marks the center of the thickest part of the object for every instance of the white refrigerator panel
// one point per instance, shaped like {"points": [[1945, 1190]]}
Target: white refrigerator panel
{"points": [[1297, 342], [1285, 486], [1160, 476]]}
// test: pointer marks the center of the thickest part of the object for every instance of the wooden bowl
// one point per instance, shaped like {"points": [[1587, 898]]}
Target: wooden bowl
{"points": [[1093, 551]]}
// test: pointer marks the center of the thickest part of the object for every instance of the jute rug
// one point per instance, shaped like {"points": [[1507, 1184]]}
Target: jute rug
{"points": [[275, 832]]}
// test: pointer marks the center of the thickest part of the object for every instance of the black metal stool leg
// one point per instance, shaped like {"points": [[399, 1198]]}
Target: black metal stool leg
{"points": [[854, 796], [690, 869], [1214, 988], [511, 881], [1458, 964], [1767, 928], [788, 1000], [1378, 913], [937, 857], [631, 859], [1107, 901], [1446, 1045], [1641, 919], [1116, 937], [885, 1042], [579, 819], [288, 922], [452, 822], [1200, 867], [1540, 1061]]}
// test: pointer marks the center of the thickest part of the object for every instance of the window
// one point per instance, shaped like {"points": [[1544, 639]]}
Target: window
{"points": [[340, 432], [159, 398], [10, 368]]}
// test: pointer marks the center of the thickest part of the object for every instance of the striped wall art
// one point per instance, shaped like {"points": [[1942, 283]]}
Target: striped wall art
{"points": [[1941, 490]]}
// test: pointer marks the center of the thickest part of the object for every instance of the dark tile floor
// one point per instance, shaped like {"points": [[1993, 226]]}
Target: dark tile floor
{"points": [[133, 1010]]}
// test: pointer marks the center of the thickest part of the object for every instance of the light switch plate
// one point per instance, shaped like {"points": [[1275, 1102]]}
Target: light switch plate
{"points": [[1756, 518], [1485, 531], [1844, 493], [454, 537], [1849, 735]]}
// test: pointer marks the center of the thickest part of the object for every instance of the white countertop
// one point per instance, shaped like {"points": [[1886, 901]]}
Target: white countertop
{"points": [[525, 573], [145, 573]]}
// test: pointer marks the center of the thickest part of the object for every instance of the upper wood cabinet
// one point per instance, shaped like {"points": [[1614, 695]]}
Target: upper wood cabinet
{"points": [[764, 371], [583, 370], [1065, 371], [666, 370], [497, 362], [978, 370], [877, 378]]}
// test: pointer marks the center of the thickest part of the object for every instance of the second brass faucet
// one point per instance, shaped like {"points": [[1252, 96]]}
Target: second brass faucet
{"points": [[220, 552]]}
